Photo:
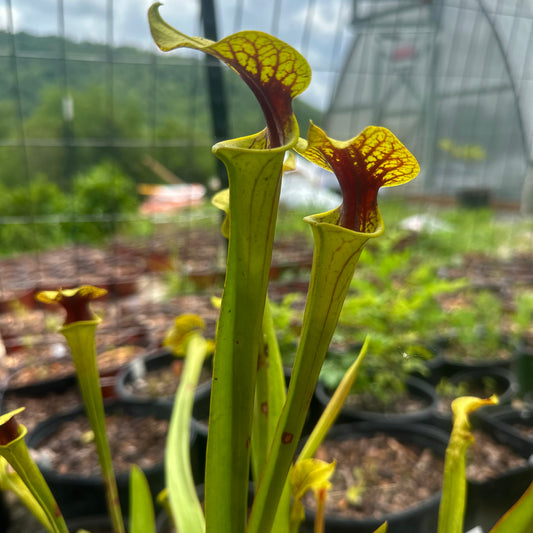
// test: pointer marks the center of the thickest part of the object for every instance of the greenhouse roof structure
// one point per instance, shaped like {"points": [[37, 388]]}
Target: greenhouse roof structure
{"points": [[453, 79]]}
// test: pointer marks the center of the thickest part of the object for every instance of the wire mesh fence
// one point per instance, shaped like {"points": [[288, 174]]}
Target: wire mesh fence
{"points": [[91, 110], [93, 115], [105, 145]]}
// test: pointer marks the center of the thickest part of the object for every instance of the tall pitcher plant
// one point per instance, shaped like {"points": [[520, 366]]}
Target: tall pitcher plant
{"points": [[255, 424]]}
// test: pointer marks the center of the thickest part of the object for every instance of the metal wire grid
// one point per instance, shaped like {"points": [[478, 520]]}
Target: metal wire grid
{"points": [[421, 68]]}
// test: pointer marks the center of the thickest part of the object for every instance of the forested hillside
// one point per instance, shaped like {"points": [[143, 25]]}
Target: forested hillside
{"points": [[126, 104]]}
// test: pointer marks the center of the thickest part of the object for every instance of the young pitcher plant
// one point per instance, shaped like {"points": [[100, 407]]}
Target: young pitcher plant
{"points": [[255, 424]]}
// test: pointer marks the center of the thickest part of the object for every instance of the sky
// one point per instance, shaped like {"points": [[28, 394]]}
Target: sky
{"points": [[320, 29]]}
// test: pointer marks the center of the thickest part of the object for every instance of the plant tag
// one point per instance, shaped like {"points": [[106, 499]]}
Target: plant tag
{"points": [[477, 529], [138, 368]]}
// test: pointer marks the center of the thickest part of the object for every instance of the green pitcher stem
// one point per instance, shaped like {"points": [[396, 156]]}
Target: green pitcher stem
{"points": [[337, 252], [182, 497], [17, 455], [270, 395], [81, 339], [255, 182]]}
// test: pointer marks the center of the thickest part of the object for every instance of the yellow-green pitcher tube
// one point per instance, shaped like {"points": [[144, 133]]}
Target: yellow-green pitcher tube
{"points": [[336, 253], [254, 172], [81, 339], [18, 456]]}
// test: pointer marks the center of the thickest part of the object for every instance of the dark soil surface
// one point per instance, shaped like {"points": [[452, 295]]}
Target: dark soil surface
{"points": [[52, 369], [133, 440], [526, 431], [38, 408], [487, 459], [389, 475]]}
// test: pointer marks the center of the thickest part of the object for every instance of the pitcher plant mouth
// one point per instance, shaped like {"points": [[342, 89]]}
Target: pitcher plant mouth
{"points": [[362, 165], [10, 429], [76, 302]]}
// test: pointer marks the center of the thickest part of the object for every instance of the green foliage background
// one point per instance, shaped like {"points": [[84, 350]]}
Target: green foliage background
{"points": [[128, 103]]}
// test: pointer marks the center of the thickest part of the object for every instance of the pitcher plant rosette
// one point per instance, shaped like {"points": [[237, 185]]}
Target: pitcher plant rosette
{"points": [[255, 424]]}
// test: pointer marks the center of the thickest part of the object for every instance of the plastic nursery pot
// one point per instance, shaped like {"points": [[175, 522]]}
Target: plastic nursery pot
{"points": [[418, 389], [510, 425], [489, 499], [522, 366], [154, 378], [55, 375], [446, 364], [5, 517], [419, 517], [481, 383], [83, 494], [41, 403]]}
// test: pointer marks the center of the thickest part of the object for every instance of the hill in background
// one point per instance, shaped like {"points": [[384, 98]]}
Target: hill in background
{"points": [[74, 105]]}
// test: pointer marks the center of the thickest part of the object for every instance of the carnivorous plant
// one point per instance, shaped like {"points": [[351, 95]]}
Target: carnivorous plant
{"points": [[255, 424]]}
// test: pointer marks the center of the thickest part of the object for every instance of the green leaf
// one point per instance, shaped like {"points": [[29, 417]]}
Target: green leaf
{"points": [[334, 406], [518, 519], [186, 509], [270, 395], [452, 504], [221, 201], [12, 481], [255, 182], [142, 519]]}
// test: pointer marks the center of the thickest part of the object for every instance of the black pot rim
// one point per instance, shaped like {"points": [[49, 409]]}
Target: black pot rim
{"points": [[154, 359], [421, 388], [57, 384], [440, 358], [47, 427], [503, 374]]}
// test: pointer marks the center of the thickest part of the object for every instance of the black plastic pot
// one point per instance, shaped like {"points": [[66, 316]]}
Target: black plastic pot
{"points": [[420, 518], [488, 500], [522, 366], [444, 366], [41, 387], [415, 386], [505, 388], [155, 360], [5, 518], [82, 495], [502, 422]]}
